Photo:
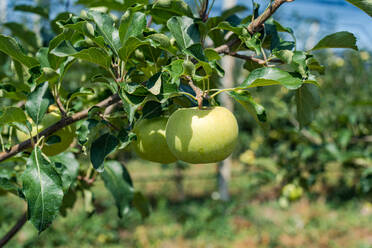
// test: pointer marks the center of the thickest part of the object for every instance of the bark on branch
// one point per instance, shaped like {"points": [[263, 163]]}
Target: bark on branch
{"points": [[4, 240], [253, 27]]}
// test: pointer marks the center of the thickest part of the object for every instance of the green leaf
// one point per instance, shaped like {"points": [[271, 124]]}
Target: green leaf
{"points": [[106, 27], [12, 114], [141, 204], [227, 26], [337, 40], [163, 10], [48, 74], [42, 188], [162, 41], [10, 46], [132, 24], [85, 129], [81, 92], [38, 102], [131, 103], [67, 167], [15, 117], [365, 5], [131, 45], [68, 201], [100, 148], [232, 11], [280, 28], [33, 9], [85, 28], [111, 4], [175, 70], [94, 55], [271, 76], [196, 50], [314, 65], [118, 182], [257, 111], [307, 101], [184, 30], [8, 185], [211, 54], [154, 84], [126, 138], [23, 33]]}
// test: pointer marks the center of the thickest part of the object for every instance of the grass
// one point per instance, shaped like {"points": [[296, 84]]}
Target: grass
{"points": [[248, 220]]}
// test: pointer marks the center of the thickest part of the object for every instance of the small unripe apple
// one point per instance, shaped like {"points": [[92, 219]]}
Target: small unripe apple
{"points": [[292, 191], [199, 136], [151, 143], [66, 135]]}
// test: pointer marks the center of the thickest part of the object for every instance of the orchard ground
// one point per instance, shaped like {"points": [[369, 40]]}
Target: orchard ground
{"points": [[253, 217]]}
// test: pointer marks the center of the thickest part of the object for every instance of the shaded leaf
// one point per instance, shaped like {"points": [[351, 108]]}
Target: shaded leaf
{"points": [[126, 138], [23, 33], [116, 181], [141, 203], [257, 111], [100, 148], [33, 9], [67, 167], [307, 101], [14, 116], [42, 188]]}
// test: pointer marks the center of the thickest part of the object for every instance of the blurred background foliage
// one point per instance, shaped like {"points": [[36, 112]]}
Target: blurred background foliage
{"points": [[330, 161]]}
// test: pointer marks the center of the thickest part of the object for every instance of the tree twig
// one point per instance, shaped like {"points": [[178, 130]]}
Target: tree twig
{"points": [[60, 105], [253, 27], [197, 90], [59, 125], [246, 57], [5, 239]]}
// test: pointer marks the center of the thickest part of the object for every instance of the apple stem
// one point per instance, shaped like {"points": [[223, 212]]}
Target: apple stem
{"points": [[198, 92]]}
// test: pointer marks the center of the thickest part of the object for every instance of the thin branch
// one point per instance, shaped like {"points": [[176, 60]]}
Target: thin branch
{"points": [[247, 57], [59, 104], [109, 123], [57, 126], [197, 90], [111, 108], [5, 239], [253, 27]]}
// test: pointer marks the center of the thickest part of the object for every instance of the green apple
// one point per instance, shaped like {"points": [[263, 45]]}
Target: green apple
{"points": [[201, 136], [151, 143], [292, 191], [65, 136]]}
